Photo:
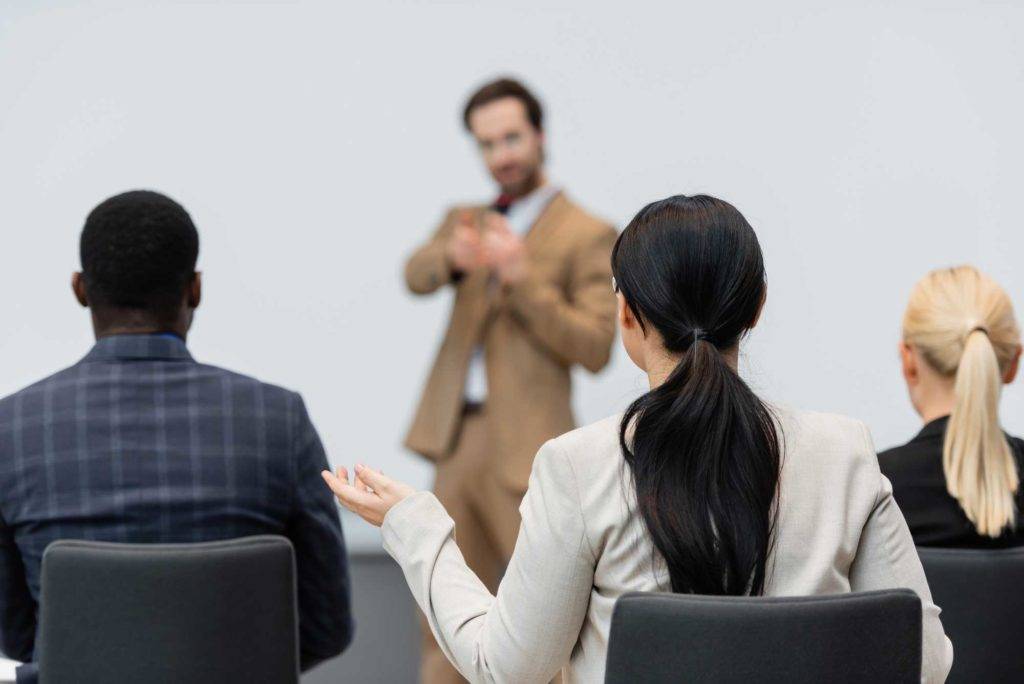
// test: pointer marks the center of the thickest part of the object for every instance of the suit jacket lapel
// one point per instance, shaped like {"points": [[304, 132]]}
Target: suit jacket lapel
{"points": [[547, 223]]}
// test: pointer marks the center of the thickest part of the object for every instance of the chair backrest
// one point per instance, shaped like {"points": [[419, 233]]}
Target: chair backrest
{"points": [[862, 637], [160, 613], [981, 594]]}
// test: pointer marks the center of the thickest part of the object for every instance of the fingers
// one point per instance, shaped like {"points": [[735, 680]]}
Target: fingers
{"points": [[378, 481], [467, 237], [465, 232], [342, 478], [370, 495], [335, 482], [350, 496], [362, 485], [502, 239], [495, 246], [496, 223]]}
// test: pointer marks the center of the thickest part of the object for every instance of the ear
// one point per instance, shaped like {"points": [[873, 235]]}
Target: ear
{"points": [[78, 288], [909, 363], [627, 321], [195, 290], [1013, 367], [760, 308]]}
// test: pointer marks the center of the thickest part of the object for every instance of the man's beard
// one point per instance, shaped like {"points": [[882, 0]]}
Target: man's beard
{"points": [[524, 187]]}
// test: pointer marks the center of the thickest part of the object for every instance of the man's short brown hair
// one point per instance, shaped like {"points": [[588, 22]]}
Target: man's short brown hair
{"points": [[502, 88]]}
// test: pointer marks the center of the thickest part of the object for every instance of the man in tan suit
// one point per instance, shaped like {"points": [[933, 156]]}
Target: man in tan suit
{"points": [[532, 280]]}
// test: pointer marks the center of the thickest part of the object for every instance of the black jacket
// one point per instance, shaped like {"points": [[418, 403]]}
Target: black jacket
{"points": [[919, 487]]}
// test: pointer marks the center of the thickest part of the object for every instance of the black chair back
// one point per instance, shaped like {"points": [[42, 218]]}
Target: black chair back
{"points": [[861, 637], [162, 613], [981, 594]]}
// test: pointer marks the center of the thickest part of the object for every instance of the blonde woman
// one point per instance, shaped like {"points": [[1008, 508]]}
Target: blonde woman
{"points": [[958, 480]]}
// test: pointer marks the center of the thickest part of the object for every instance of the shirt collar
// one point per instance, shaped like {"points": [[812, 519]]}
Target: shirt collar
{"points": [[525, 212], [538, 197], [160, 346]]}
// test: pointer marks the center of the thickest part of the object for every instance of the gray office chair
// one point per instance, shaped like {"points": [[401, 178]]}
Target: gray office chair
{"points": [[981, 594], [863, 637], [160, 613]]}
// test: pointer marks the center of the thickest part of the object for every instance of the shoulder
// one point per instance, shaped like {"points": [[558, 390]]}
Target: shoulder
{"points": [[244, 386], [899, 459], [282, 411], [586, 451], [824, 429], [597, 435], [828, 439], [585, 224], [579, 474], [37, 389], [827, 458]]}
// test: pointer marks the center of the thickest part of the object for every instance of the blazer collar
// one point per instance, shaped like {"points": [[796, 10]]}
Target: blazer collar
{"points": [[935, 428], [138, 347], [549, 219]]}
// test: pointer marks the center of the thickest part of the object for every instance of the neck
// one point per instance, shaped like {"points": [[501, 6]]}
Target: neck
{"points": [[538, 180], [110, 332], [136, 323], [935, 403], [660, 364]]}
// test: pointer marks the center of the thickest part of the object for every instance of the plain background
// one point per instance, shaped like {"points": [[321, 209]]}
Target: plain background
{"points": [[316, 144]]}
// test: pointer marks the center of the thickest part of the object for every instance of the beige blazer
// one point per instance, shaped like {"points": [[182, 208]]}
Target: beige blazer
{"points": [[581, 546], [562, 314]]}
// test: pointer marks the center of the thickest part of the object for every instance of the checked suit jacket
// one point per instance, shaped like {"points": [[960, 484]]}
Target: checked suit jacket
{"points": [[139, 443]]}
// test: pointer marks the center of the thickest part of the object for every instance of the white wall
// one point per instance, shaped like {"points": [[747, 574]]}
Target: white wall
{"points": [[316, 144]]}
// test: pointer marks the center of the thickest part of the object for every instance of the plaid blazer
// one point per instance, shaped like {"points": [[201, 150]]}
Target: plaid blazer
{"points": [[139, 443]]}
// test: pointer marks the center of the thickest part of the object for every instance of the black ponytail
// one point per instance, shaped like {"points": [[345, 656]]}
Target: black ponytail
{"points": [[702, 448]]}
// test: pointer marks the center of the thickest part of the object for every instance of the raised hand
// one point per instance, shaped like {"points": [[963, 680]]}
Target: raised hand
{"points": [[370, 495], [464, 250], [504, 251]]}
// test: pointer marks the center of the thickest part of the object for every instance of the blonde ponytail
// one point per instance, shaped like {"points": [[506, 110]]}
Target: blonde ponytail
{"points": [[980, 470], [962, 322]]}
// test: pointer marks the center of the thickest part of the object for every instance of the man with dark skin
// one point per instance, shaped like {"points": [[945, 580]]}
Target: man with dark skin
{"points": [[107, 322], [139, 443]]}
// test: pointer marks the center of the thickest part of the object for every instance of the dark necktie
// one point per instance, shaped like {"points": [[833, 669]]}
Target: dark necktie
{"points": [[502, 204]]}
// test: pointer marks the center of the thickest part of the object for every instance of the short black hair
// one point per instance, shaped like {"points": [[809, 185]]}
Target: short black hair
{"points": [[502, 88], [138, 251]]}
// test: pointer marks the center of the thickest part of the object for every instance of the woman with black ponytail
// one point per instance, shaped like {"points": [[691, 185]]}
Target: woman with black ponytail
{"points": [[700, 487], [704, 451]]}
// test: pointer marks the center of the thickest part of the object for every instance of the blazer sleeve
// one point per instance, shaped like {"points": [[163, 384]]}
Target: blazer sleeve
{"points": [[17, 609], [427, 268], [577, 324], [886, 558], [321, 563], [527, 632]]}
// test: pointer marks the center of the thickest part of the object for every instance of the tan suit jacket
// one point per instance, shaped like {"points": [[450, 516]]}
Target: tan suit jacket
{"points": [[582, 545], [562, 314]]}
